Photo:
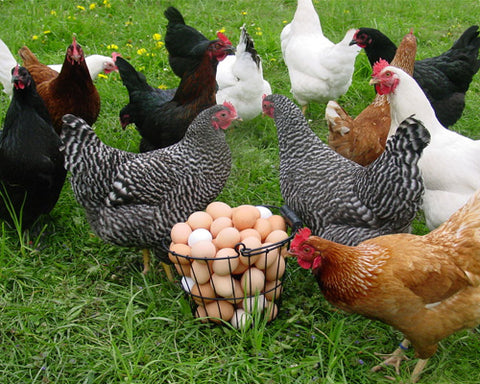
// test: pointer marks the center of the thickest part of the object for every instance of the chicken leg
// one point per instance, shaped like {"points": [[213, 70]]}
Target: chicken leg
{"points": [[146, 265], [395, 358]]}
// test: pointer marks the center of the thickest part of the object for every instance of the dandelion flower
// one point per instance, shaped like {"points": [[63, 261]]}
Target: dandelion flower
{"points": [[102, 76], [157, 36], [222, 30], [112, 46], [92, 6], [47, 32], [34, 37], [81, 7], [244, 13], [53, 12], [141, 51], [162, 86], [160, 44]]}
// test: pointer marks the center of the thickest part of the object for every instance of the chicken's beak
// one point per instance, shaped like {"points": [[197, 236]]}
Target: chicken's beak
{"points": [[353, 42], [373, 81]]}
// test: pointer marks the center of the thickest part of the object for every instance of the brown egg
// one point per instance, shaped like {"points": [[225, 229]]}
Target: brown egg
{"points": [[227, 238], [180, 250], [277, 222], [183, 269], [245, 216], [276, 236], [250, 243], [202, 294], [268, 257], [216, 310], [220, 223], [250, 232], [271, 310], [276, 270], [273, 289], [263, 227], [200, 272], [240, 269], [223, 285], [226, 261], [199, 219], [238, 295], [180, 232], [253, 281], [203, 250], [219, 209]]}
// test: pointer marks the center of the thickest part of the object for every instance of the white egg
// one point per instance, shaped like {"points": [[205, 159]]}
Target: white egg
{"points": [[254, 303], [187, 283], [240, 319], [265, 213], [199, 234]]}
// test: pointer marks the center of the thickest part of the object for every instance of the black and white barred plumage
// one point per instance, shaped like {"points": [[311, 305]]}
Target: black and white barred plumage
{"points": [[134, 199], [337, 198]]}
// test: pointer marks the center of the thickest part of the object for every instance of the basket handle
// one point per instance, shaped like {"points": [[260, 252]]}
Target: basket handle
{"points": [[291, 217]]}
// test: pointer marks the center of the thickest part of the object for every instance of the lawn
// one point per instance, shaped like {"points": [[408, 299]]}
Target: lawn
{"points": [[74, 309]]}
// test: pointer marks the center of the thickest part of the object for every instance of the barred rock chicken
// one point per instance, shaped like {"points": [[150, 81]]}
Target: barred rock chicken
{"points": [[319, 70], [427, 287], [162, 123], [133, 200], [450, 165], [31, 171], [337, 198], [70, 91], [240, 79], [363, 139], [444, 79]]}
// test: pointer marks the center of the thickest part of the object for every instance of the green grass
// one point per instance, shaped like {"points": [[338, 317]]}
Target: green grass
{"points": [[76, 310]]}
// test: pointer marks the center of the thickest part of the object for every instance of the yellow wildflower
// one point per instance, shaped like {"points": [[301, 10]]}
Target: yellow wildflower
{"points": [[34, 37], [156, 36], [244, 13], [102, 76], [92, 6], [128, 23], [112, 46], [160, 44], [80, 7], [129, 45], [222, 30], [53, 13], [162, 86], [107, 4], [47, 32], [141, 51]]}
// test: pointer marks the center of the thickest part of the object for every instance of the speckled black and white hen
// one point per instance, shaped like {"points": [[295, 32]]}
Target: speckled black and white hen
{"points": [[132, 199], [337, 198]]}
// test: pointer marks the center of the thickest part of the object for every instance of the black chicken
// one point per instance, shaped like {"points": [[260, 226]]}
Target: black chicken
{"points": [[162, 123], [133, 199], [31, 172], [444, 79]]}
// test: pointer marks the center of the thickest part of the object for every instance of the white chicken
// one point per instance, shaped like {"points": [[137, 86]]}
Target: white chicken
{"points": [[95, 63], [450, 164], [240, 79], [319, 70]]}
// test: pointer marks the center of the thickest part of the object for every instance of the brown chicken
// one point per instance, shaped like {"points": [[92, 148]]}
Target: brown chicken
{"points": [[363, 139], [70, 91], [427, 287]]}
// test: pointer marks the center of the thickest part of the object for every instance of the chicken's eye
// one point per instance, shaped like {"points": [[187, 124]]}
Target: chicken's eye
{"points": [[307, 250], [388, 74]]}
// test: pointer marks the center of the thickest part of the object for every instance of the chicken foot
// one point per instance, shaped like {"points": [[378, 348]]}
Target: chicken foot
{"points": [[146, 265], [394, 358]]}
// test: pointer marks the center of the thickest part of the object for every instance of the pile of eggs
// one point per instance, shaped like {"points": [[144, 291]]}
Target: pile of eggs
{"points": [[231, 261]]}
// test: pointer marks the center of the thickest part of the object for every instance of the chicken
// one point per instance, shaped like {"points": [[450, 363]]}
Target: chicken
{"points": [[450, 165], [96, 64], [319, 70], [70, 91], [337, 198], [240, 79], [31, 172], [162, 123], [363, 139], [132, 199], [7, 63], [444, 79], [427, 287]]}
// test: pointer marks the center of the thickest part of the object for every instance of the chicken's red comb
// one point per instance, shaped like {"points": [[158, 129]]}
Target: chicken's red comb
{"points": [[224, 38], [302, 235], [115, 55], [15, 71], [379, 65], [230, 107]]}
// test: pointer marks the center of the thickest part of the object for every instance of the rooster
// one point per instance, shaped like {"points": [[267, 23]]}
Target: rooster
{"points": [[70, 91], [31, 172], [134, 199], [339, 199], [160, 122], [240, 79], [450, 165], [427, 287], [363, 139], [319, 70], [444, 79]]}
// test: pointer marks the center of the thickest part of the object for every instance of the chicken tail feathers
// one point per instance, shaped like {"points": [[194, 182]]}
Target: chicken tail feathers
{"points": [[28, 57], [246, 45], [131, 78], [174, 16], [469, 44]]}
